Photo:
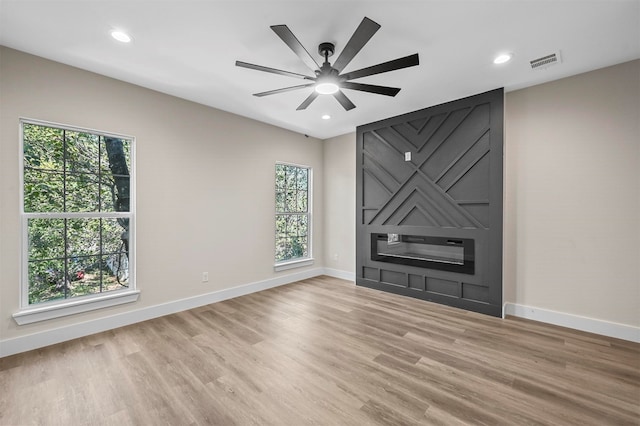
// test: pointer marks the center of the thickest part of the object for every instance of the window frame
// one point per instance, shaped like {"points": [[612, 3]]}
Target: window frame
{"points": [[29, 313], [299, 261]]}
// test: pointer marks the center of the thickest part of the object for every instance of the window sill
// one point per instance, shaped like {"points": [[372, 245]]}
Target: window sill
{"points": [[90, 303], [291, 264]]}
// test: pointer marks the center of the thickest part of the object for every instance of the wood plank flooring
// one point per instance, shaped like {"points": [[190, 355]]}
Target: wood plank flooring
{"points": [[325, 352]]}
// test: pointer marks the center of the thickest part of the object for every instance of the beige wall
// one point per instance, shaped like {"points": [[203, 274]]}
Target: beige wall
{"points": [[572, 195], [572, 189], [340, 202], [205, 183]]}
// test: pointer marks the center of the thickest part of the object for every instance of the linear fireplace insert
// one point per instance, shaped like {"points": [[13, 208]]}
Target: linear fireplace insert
{"points": [[447, 254]]}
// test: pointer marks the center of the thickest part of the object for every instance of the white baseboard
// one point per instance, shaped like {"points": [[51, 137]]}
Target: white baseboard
{"points": [[591, 325], [337, 273], [73, 331]]}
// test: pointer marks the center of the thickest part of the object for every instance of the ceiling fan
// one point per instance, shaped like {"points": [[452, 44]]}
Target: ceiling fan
{"points": [[328, 79]]}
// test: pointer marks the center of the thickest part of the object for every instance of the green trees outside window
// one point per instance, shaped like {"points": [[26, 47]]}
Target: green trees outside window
{"points": [[292, 212], [77, 212]]}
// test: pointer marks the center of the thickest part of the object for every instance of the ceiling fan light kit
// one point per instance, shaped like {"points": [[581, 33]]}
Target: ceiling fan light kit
{"points": [[328, 79], [327, 88]]}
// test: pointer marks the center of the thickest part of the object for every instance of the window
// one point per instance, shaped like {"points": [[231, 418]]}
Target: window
{"points": [[77, 221], [293, 217]]}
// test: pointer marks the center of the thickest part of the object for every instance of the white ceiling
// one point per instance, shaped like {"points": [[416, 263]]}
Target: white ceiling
{"points": [[188, 48]]}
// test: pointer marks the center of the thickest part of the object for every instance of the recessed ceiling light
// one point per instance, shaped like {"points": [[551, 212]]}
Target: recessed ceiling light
{"points": [[326, 117], [121, 36], [502, 58]]}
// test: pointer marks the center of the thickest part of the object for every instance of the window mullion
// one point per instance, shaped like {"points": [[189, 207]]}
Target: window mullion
{"points": [[99, 174], [100, 139], [66, 258], [64, 170], [79, 215], [64, 208], [100, 254]]}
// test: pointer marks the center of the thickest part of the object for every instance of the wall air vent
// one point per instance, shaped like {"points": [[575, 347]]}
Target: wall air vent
{"points": [[545, 61]]}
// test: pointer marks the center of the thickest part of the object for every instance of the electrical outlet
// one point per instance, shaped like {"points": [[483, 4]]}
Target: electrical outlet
{"points": [[205, 277], [335, 256]]}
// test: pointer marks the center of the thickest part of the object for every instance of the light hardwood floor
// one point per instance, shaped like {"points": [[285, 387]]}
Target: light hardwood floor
{"points": [[325, 352]]}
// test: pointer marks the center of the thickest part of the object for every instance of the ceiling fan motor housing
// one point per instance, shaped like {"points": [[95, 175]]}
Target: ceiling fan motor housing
{"points": [[326, 49]]}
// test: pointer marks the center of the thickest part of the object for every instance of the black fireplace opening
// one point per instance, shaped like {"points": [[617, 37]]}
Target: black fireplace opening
{"points": [[447, 254]]}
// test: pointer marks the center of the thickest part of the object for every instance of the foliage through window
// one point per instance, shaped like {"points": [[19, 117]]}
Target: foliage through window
{"points": [[292, 212], [77, 216]]}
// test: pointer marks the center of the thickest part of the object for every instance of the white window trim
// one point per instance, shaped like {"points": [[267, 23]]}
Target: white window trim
{"points": [[28, 314], [291, 264], [49, 310], [301, 261]]}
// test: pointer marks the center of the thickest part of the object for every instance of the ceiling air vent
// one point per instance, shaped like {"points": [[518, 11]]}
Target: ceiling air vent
{"points": [[545, 61]]}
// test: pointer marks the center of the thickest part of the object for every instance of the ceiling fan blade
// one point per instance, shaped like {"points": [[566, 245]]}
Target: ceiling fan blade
{"points": [[344, 101], [285, 89], [290, 40], [360, 37], [272, 70], [380, 90], [396, 64], [308, 101]]}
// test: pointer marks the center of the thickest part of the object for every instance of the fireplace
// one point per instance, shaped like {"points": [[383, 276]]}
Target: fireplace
{"points": [[447, 254], [429, 203]]}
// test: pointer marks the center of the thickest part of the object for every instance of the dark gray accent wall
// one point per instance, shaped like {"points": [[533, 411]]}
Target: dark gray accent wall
{"points": [[451, 187]]}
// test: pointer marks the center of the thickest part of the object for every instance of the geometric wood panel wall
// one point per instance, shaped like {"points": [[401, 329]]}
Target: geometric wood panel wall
{"points": [[450, 187]]}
